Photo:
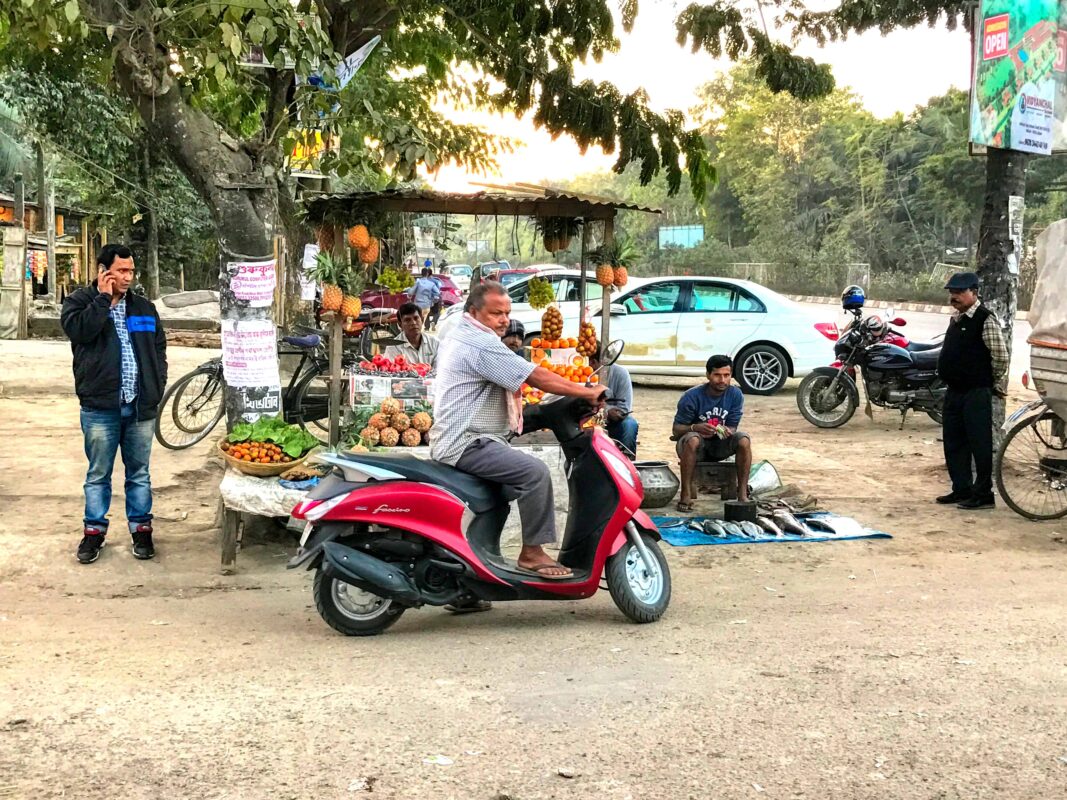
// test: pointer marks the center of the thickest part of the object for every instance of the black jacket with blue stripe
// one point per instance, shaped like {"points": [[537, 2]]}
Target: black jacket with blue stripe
{"points": [[86, 320]]}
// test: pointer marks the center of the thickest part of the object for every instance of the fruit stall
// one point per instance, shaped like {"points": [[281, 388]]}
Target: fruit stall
{"points": [[362, 240], [363, 236]]}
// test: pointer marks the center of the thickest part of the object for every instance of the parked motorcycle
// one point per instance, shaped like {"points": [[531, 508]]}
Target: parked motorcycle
{"points": [[897, 373], [386, 533]]}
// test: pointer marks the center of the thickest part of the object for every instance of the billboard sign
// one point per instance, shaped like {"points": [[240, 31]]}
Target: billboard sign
{"points": [[1014, 79]]}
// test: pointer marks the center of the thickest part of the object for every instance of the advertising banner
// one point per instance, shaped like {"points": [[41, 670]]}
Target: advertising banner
{"points": [[1014, 80], [253, 282]]}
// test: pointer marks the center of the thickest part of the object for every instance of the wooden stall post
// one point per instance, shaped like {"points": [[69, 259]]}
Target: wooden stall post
{"points": [[581, 275], [605, 301], [337, 333]]}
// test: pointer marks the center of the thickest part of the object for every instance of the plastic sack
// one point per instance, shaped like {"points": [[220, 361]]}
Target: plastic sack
{"points": [[763, 477]]}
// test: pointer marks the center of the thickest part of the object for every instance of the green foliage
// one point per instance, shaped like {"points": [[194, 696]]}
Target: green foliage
{"points": [[292, 439]]}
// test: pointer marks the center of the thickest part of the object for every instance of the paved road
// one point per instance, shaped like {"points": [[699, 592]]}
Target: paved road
{"points": [[924, 326]]}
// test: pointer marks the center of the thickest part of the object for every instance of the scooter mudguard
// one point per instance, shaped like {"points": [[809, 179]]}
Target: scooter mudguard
{"points": [[310, 552], [644, 524]]}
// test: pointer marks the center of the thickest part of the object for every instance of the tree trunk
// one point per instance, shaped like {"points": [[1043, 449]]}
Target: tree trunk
{"points": [[239, 185], [1005, 177], [150, 224]]}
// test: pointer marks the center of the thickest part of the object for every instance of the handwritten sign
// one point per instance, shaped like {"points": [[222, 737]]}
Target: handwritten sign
{"points": [[253, 282], [250, 353]]}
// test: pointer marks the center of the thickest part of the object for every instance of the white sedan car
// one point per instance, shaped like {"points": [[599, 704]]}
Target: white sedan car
{"points": [[672, 325]]}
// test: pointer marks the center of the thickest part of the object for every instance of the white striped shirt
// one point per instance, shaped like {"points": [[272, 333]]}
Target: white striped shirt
{"points": [[475, 375]]}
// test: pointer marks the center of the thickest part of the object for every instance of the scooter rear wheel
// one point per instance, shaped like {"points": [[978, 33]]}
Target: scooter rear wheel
{"points": [[352, 611], [640, 596]]}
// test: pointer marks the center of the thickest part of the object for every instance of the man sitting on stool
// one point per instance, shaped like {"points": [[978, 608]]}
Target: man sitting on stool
{"points": [[706, 427], [618, 413]]}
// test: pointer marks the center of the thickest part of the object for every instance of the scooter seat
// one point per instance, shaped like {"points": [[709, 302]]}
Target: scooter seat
{"points": [[918, 347], [926, 359], [479, 495]]}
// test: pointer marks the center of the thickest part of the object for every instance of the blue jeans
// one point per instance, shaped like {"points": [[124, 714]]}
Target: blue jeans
{"points": [[625, 432], [106, 432]]}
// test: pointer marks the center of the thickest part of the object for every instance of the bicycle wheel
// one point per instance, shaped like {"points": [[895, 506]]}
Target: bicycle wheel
{"points": [[191, 408], [1031, 467]]}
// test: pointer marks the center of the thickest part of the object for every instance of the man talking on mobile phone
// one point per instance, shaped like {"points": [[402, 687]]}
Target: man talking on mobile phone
{"points": [[120, 371]]}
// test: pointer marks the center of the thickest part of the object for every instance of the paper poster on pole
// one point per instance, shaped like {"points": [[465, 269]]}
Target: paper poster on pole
{"points": [[250, 353], [1016, 208], [253, 282], [307, 284], [1013, 89]]}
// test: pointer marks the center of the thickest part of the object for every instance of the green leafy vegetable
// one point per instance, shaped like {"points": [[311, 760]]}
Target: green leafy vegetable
{"points": [[292, 439]]}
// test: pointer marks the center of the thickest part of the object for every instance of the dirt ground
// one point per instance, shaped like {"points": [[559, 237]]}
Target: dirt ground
{"points": [[932, 665]]}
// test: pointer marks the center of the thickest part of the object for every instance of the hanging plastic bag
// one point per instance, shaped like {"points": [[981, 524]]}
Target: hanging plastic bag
{"points": [[763, 477]]}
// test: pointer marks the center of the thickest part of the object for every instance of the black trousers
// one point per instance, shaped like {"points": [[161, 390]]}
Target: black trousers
{"points": [[968, 435]]}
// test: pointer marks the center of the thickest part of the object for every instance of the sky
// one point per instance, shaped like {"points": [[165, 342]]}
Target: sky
{"points": [[889, 74]]}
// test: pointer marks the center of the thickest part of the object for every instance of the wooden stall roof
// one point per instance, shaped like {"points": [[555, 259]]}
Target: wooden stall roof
{"points": [[518, 200]]}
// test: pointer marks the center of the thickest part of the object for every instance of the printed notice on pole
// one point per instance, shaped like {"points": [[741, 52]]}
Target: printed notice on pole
{"points": [[307, 283], [250, 353], [253, 282], [1016, 208]]}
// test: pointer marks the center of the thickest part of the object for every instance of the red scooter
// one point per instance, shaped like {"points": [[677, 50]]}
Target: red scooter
{"points": [[386, 533]]}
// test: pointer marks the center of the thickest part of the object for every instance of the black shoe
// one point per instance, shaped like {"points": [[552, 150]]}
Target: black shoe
{"points": [[469, 607], [142, 542], [975, 503], [91, 544], [952, 498]]}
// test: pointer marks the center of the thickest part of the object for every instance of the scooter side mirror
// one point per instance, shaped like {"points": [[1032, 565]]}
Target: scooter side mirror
{"points": [[612, 352], [898, 321]]}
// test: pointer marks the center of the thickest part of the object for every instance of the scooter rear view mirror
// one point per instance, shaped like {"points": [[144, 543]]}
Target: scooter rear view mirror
{"points": [[898, 321], [612, 352]]}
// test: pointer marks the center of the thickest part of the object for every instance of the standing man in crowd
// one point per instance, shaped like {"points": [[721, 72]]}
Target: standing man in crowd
{"points": [[120, 371], [425, 292], [706, 426], [416, 346], [621, 424], [974, 365]]}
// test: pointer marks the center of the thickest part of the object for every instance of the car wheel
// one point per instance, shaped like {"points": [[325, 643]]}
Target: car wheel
{"points": [[761, 369]]}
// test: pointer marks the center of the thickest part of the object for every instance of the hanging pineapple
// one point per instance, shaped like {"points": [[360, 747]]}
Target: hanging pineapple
{"points": [[325, 237], [351, 284], [328, 273], [612, 262], [358, 237], [370, 253]]}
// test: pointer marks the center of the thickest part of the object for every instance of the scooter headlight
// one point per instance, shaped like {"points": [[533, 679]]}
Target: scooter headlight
{"points": [[620, 468]]}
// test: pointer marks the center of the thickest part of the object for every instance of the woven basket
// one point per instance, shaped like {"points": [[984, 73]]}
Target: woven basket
{"points": [[259, 470]]}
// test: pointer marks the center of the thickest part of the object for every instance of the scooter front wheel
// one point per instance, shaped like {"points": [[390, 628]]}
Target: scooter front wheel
{"points": [[640, 595], [353, 611]]}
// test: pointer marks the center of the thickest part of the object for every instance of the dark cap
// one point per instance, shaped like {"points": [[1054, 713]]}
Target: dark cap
{"points": [[963, 280], [515, 328]]}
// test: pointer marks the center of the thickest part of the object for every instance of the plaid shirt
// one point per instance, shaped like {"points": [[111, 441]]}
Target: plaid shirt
{"points": [[475, 374], [993, 336], [129, 359]]}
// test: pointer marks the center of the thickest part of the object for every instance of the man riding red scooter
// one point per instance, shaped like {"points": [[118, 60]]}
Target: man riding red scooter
{"points": [[397, 531]]}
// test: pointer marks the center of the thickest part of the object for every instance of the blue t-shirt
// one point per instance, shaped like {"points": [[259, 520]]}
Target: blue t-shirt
{"points": [[699, 405]]}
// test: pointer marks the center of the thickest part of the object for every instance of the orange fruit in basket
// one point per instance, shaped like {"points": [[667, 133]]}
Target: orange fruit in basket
{"points": [[578, 361], [546, 363], [535, 343]]}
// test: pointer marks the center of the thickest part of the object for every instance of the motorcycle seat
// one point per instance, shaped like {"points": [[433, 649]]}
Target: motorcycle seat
{"points": [[479, 495], [918, 347], [926, 359]]}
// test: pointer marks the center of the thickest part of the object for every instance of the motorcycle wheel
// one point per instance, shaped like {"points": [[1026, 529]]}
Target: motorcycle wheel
{"points": [[935, 415], [820, 411], [352, 611], [640, 596]]}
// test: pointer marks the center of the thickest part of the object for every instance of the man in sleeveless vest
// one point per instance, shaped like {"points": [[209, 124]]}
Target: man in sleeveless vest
{"points": [[974, 365]]}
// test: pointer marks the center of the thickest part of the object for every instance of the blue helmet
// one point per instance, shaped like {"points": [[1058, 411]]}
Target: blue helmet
{"points": [[853, 297]]}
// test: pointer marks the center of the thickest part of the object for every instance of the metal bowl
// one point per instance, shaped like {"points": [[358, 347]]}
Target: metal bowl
{"points": [[659, 481]]}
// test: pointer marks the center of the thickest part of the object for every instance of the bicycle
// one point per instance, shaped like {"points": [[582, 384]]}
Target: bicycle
{"points": [[193, 405]]}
